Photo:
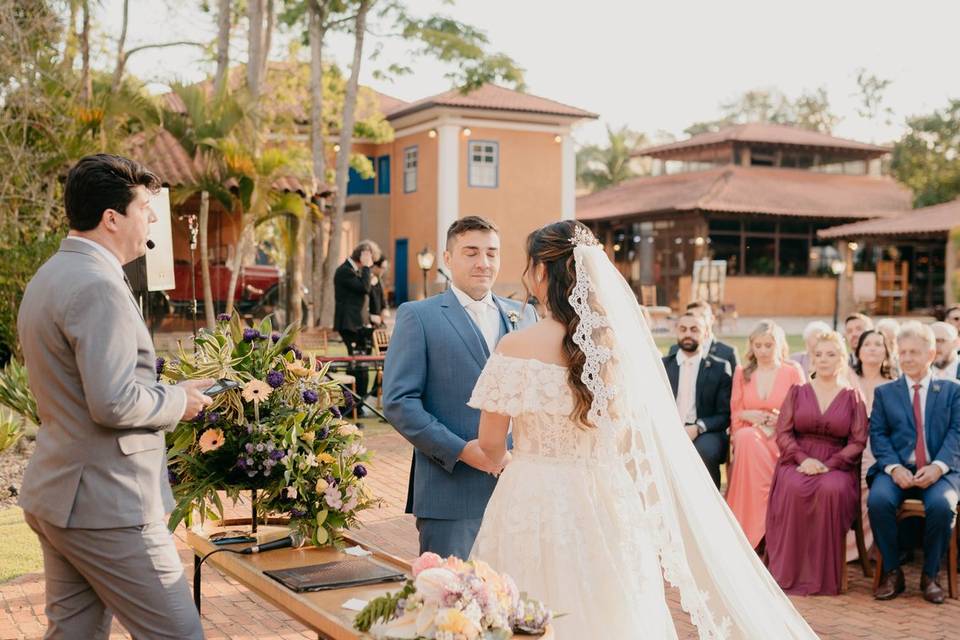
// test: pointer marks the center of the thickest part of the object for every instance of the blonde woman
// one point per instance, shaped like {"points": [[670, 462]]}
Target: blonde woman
{"points": [[759, 388], [815, 493]]}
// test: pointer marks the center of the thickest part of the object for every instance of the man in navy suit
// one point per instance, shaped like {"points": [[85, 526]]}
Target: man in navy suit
{"points": [[701, 384], [709, 345], [915, 436], [438, 349]]}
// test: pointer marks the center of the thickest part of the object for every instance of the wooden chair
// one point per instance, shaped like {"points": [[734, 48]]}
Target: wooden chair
{"points": [[913, 508], [657, 313], [381, 341], [892, 284], [857, 528], [347, 380]]}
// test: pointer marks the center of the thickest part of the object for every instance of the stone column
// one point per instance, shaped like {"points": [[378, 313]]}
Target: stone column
{"points": [[448, 185]]}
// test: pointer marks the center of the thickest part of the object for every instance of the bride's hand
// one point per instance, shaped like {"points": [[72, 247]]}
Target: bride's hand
{"points": [[474, 456], [507, 457]]}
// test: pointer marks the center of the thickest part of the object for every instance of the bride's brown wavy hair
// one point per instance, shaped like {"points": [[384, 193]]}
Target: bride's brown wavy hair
{"points": [[551, 246]]}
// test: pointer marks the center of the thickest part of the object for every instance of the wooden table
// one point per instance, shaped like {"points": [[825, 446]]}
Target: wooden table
{"points": [[321, 611]]}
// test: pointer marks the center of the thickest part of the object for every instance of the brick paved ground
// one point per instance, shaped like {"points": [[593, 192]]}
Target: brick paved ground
{"points": [[230, 611]]}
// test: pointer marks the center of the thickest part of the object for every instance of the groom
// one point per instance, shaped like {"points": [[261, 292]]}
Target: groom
{"points": [[438, 348]]}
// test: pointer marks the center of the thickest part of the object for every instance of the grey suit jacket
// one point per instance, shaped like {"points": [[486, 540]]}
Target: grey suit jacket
{"points": [[100, 460], [436, 355]]}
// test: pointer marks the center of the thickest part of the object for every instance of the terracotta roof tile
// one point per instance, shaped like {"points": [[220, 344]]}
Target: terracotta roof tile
{"points": [[494, 98], [934, 219], [758, 132], [736, 189]]}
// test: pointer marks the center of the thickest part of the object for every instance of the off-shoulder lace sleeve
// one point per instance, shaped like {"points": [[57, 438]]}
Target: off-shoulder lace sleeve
{"points": [[499, 388]]}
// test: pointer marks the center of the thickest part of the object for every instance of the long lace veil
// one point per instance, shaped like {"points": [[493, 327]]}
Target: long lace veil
{"points": [[723, 585]]}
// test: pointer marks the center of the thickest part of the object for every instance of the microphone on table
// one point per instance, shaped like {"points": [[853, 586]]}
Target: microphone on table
{"points": [[295, 539], [151, 244]]}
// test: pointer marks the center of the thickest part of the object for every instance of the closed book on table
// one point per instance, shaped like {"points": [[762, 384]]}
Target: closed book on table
{"points": [[335, 575]]}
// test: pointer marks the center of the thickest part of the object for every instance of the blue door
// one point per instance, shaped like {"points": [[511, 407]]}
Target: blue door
{"points": [[401, 292]]}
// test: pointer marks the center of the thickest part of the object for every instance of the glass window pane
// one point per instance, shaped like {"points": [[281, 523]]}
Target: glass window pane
{"points": [[724, 224], [794, 257], [727, 248], [763, 226], [760, 256]]}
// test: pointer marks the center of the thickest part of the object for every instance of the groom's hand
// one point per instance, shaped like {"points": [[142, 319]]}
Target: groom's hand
{"points": [[474, 456]]}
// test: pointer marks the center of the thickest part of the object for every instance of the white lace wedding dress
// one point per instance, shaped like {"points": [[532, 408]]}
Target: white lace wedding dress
{"points": [[592, 521], [565, 520]]}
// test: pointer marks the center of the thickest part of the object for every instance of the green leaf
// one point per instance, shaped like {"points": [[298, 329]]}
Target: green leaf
{"points": [[321, 537], [322, 517]]}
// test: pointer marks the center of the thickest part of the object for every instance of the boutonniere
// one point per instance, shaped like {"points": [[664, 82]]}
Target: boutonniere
{"points": [[514, 318], [707, 364], [936, 387]]}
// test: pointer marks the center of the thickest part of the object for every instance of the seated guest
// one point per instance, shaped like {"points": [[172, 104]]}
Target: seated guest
{"points": [[890, 329], [815, 493], [759, 388], [873, 369], [810, 335], [915, 436], [946, 366], [952, 316], [711, 346], [853, 326], [701, 385]]}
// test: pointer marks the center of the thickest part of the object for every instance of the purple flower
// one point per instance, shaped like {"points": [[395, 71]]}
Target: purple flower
{"points": [[248, 447], [212, 417], [297, 513], [161, 363], [274, 337], [348, 401], [297, 354], [223, 317], [360, 471], [323, 433], [275, 379], [249, 335], [241, 463], [310, 396], [171, 476], [336, 412], [200, 417], [276, 454]]}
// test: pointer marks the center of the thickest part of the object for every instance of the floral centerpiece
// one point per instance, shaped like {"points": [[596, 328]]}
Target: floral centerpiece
{"points": [[453, 599], [280, 433]]}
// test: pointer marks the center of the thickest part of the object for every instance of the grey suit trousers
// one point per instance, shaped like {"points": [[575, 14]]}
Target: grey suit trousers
{"points": [[133, 573]]}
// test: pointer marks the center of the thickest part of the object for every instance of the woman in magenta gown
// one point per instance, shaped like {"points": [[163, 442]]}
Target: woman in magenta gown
{"points": [[815, 493]]}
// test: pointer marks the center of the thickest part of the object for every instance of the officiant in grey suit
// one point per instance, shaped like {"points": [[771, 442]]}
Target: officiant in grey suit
{"points": [[96, 488], [438, 349]]}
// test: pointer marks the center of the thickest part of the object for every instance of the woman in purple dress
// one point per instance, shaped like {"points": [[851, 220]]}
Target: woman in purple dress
{"points": [[815, 494]]}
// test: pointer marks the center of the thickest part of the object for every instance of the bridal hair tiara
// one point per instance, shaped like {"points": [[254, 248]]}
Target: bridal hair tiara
{"points": [[582, 237]]}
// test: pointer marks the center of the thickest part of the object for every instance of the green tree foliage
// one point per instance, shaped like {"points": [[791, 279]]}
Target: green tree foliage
{"points": [[810, 110], [927, 157], [599, 167]]}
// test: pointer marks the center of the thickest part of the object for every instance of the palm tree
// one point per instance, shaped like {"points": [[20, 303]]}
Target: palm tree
{"points": [[205, 119], [601, 167]]}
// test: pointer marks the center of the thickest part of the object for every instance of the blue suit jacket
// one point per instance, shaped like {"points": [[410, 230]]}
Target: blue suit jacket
{"points": [[893, 433], [436, 355]]}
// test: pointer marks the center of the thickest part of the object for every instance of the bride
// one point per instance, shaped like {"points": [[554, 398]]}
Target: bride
{"points": [[604, 495]]}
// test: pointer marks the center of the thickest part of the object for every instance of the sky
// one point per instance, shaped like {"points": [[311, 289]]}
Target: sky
{"points": [[653, 66]]}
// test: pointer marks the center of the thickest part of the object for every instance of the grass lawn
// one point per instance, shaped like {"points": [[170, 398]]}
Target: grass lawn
{"points": [[20, 552]]}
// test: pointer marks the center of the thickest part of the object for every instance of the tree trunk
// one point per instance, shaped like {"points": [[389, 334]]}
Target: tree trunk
{"points": [[237, 263], [317, 30], [254, 48], [343, 165], [121, 56], [295, 291], [223, 46], [208, 303], [267, 39], [86, 80], [70, 41]]}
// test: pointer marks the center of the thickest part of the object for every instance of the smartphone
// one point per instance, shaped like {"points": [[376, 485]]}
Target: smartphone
{"points": [[220, 386]]}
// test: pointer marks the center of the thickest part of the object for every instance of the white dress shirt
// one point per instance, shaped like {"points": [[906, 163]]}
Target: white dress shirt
{"points": [[924, 389], [485, 314], [687, 385], [112, 259]]}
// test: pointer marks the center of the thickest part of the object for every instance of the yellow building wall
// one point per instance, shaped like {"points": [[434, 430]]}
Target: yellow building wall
{"points": [[769, 296], [527, 195], [414, 215]]}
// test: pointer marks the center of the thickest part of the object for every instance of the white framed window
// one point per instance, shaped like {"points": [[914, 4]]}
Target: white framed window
{"points": [[411, 160], [483, 163]]}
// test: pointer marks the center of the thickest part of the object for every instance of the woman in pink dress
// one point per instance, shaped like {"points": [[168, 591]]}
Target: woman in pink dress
{"points": [[874, 367], [759, 388], [815, 493]]}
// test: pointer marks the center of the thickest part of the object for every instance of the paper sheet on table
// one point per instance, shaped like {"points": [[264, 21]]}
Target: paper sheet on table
{"points": [[357, 551], [354, 604]]}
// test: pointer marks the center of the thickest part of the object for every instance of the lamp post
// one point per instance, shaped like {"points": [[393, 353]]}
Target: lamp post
{"points": [[425, 260], [837, 267]]}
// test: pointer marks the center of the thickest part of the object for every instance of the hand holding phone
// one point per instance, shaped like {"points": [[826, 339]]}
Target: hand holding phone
{"points": [[220, 386]]}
